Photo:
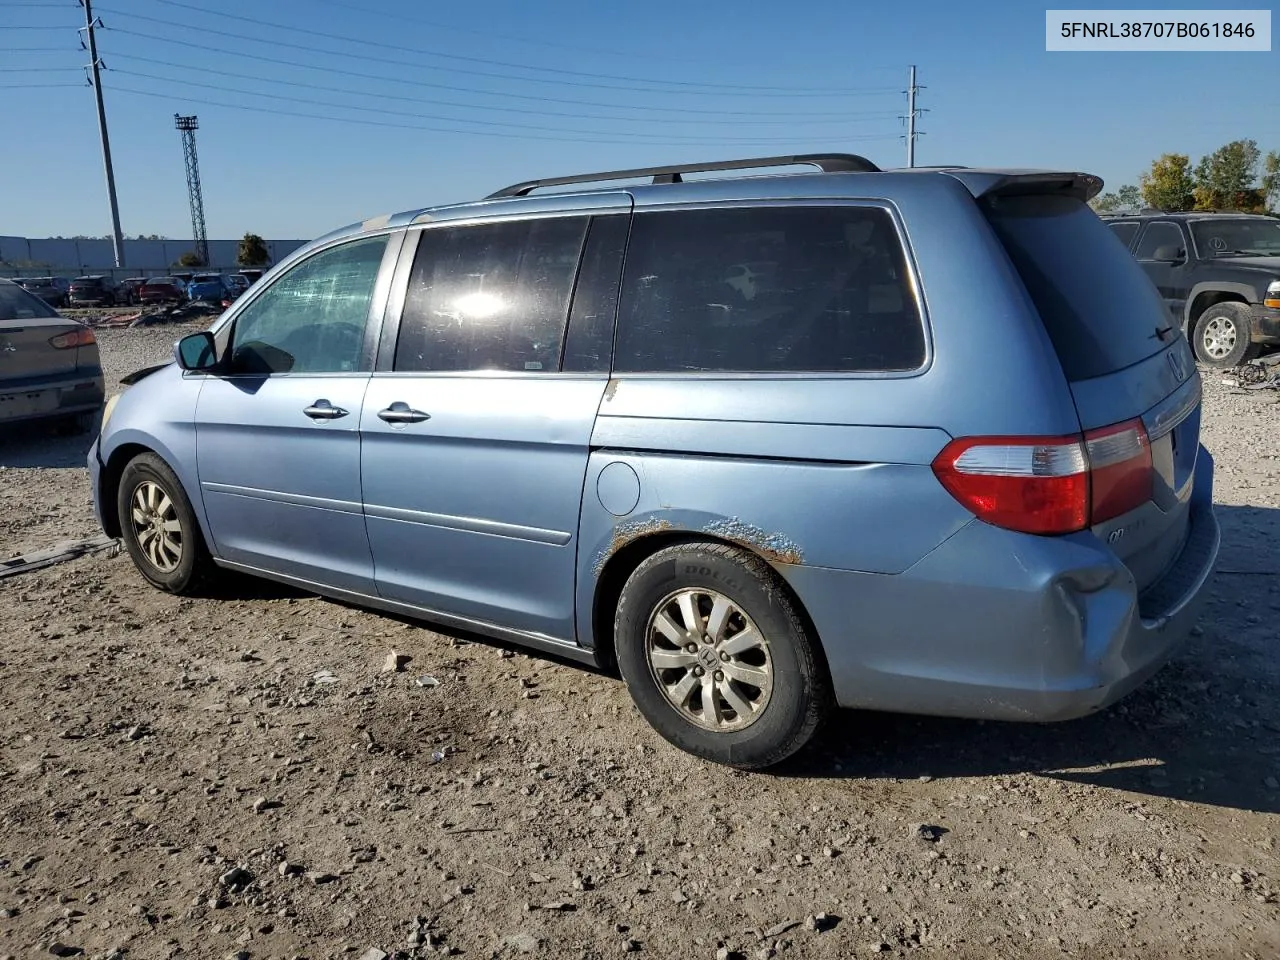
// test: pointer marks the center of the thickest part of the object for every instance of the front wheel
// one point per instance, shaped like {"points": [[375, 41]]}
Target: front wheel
{"points": [[159, 527], [716, 657], [1222, 335]]}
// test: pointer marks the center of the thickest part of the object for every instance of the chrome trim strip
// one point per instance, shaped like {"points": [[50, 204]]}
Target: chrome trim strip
{"points": [[447, 521], [1165, 416], [277, 496], [528, 638]]}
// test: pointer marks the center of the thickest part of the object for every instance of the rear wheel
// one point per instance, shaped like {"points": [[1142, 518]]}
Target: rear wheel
{"points": [[1221, 335], [716, 657], [159, 527]]}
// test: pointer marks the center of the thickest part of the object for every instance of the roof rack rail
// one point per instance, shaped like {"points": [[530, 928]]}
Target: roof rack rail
{"points": [[826, 162]]}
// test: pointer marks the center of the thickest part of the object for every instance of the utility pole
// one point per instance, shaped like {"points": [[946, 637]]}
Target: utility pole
{"points": [[188, 126], [90, 23], [913, 113]]}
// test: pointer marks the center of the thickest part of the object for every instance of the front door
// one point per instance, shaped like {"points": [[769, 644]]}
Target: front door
{"points": [[475, 443], [277, 433], [1155, 252]]}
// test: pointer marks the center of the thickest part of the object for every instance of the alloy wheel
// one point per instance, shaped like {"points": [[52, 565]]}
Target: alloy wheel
{"points": [[155, 523]]}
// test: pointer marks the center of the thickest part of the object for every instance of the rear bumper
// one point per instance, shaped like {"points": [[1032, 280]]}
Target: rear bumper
{"points": [[1004, 626], [1266, 324], [79, 392]]}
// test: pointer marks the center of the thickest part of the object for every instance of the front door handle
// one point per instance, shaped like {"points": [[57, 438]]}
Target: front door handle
{"points": [[401, 412], [324, 410]]}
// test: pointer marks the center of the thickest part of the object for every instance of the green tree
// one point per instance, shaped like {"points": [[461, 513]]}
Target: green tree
{"points": [[1271, 180], [1130, 197], [1105, 203], [1225, 178], [253, 251], [1168, 185], [190, 259]]}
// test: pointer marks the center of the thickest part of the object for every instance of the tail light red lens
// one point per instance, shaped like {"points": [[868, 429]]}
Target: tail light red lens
{"points": [[1120, 471], [82, 337], [1049, 485]]}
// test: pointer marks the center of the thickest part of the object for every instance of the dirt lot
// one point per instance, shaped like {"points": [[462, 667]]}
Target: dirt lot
{"points": [[182, 778]]}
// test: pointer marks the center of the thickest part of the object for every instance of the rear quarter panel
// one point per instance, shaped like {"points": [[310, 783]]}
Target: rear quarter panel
{"points": [[833, 471]]}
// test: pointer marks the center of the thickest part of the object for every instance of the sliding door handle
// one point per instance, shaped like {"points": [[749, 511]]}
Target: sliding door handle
{"points": [[401, 412]]}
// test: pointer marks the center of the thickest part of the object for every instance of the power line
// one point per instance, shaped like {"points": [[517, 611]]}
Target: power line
{"points": [[40, 69], [434, 129], [630, 88], [576, 115], [308, 101], [426, 84], [501, 36], [37, 86], [419, 51]]}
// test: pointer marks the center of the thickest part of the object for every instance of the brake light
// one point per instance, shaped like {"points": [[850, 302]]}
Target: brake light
{"points": [[82, 337], [1049, 485]]}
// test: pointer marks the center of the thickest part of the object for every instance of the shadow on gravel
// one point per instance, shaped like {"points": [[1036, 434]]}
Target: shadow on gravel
{"points": [[43, 444], [1206, 729]]}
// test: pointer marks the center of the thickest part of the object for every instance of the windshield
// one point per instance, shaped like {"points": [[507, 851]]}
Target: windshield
{"points": [[1234, 238], [206, 278]]}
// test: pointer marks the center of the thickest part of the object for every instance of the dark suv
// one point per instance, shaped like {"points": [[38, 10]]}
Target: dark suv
{"points": [[96, 291], [1219, 273]]}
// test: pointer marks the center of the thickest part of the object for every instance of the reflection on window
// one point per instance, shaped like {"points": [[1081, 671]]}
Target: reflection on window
{"points": [[770, 289], [1158, 235], [490, 296], [312, 319]]}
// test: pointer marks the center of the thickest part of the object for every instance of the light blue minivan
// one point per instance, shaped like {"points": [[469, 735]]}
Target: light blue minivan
{"points": [[913, 440]]}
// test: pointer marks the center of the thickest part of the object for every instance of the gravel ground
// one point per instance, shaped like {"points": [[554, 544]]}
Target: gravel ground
{"points": [[237, 776]]}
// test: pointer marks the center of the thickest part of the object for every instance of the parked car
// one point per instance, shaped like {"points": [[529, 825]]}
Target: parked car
{"points": [[253, 274], [54, 291], [163, 290], [925, 453], [93, 291], [49, 366], [207, 286], [238, 283], [1219, 274], [131, 290]]}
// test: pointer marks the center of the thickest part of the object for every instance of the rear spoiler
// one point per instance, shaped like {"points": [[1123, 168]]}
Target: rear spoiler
{"points": [[987, 183]]}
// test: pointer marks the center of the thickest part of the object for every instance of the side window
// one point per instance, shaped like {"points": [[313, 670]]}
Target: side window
{"points": [[768, 289], [312, 319], [492, 296], [1124, 231], [589, 342], [1159, 235]]}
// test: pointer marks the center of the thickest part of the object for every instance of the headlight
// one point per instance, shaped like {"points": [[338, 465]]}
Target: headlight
{"points": [[1273, 295], [106, 411]]}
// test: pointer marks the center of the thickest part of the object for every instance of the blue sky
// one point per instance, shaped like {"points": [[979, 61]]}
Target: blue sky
{"points": [[569, 86]]}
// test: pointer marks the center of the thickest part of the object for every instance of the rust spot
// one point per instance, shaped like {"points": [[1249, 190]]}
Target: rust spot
{"points": [[772, 546], [610, 389], [628, 533]]}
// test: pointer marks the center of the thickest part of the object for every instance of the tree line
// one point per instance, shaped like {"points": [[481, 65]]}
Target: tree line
{"points": [[1236, 176]]}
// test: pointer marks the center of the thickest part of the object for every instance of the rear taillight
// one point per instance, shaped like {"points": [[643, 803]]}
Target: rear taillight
{"points": [[82, 337], [1120, 472], [1049, 485]]}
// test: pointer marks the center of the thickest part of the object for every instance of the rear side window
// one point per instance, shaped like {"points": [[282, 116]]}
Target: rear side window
{"points": [[767, 289], [1125, 231], [491, 296], [1098, 307]]}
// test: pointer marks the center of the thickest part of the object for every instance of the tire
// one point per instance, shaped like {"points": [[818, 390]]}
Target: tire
{"points": [[1222, 336], [144, 474], [784, 713]]}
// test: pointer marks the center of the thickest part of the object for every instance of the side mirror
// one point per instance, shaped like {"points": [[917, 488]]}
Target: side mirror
{"points": [[1169, 253], [196, 352]]}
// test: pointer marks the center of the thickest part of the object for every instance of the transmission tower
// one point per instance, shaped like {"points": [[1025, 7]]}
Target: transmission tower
{"points": [[188, 126]]}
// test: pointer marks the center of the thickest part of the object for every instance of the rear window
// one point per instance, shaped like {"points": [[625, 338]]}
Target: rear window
{"points": [[17, 304], [1098, 306]]}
